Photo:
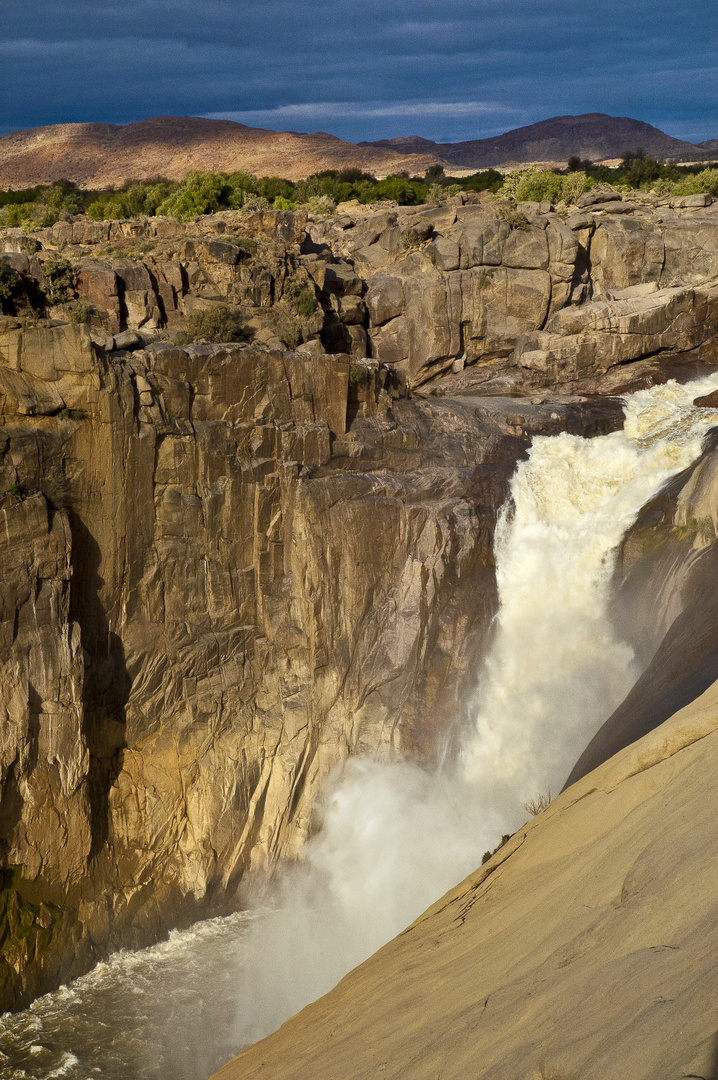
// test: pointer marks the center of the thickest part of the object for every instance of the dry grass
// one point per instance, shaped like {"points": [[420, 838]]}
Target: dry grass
{"points": [[538, 803]]}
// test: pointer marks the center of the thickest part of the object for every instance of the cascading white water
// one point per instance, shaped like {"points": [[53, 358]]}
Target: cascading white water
{"points": [[395, 837], [556, 668]]}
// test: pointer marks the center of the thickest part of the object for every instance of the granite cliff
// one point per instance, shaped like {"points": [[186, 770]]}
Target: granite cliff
{"points": [[228, 566]]}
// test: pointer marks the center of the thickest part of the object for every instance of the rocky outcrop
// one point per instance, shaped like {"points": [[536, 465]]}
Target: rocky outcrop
{"points": [[584, 947], [524, 298], [534, 298]]}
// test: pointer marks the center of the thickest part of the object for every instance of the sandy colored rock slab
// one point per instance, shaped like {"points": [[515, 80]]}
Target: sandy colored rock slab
{"points": [[587, 947]]}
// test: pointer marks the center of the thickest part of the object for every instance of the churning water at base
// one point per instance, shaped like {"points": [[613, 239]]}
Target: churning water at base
{"points": [[395, 836], [164, 1013]]}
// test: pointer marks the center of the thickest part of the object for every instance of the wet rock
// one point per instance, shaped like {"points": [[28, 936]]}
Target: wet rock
{"points": [[707, 401]]}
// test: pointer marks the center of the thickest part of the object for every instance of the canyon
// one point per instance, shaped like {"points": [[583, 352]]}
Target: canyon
{"points": [[230, 566]]}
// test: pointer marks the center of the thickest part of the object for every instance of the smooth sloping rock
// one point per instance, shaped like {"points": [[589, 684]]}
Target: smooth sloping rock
{"points": [[586, 947]]}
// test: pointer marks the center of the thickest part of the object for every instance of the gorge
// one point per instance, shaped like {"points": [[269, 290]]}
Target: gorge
{"points": [[229, 568]]}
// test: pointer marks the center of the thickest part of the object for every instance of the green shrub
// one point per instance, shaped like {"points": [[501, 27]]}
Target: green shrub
{"points": [[535, 185], [17, 216], [58, 279], [704, 181], [280, 203], [198, 194], [8, 284], [300, 297], [402, 190], [515, 218], [82, 312], [273, 187], [255, 202], [357, 373], [217, 324], [321, 205]]}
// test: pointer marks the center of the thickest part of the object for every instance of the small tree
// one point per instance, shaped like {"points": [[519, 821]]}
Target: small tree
{"points": [[58, 281], [199, 194]]}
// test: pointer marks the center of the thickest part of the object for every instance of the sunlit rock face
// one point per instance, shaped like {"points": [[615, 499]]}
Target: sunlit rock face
{"points": [[228, 567], [211, 594]]}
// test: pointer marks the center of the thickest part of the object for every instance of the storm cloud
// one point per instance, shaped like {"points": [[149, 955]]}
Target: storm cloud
{"points": [[445, 69]]}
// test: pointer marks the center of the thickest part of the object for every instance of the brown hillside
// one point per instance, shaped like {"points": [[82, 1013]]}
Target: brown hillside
{"points": [[592, 135], [106, 155]]}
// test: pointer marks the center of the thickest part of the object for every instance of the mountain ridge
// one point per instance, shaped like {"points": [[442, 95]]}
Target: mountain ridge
{"points": [[589, 135], [107, 155]]}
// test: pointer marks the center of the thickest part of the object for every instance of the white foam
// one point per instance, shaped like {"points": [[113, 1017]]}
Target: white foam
{"points": [[557, 668]]}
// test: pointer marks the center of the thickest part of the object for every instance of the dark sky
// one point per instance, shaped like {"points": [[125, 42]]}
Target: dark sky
{"points": [[362, 69]]}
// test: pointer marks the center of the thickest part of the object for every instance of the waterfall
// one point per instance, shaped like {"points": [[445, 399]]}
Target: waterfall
{"points": [[395, 836], [556, 668]]}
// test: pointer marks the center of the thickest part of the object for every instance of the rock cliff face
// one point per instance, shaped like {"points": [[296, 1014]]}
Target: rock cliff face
{"points": [[211, 594], [227, 567], [584, 947]]}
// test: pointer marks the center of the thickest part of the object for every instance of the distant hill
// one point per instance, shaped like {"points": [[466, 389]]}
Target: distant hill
{"points": [[105, 155], [592, 135]]}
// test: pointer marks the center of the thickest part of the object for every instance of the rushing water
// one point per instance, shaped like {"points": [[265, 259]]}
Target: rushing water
{"points": [[396, 836], [163, 1013]]}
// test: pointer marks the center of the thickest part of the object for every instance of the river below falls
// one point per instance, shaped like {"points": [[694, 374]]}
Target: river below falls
{"points": [[169, 1012]]}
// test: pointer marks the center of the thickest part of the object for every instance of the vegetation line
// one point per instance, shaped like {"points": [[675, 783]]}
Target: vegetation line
{"points": [[206, 192]]}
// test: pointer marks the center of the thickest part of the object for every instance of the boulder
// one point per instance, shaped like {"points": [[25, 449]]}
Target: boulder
{"points": [[384, 298], [626, 252], [707, 401]]}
